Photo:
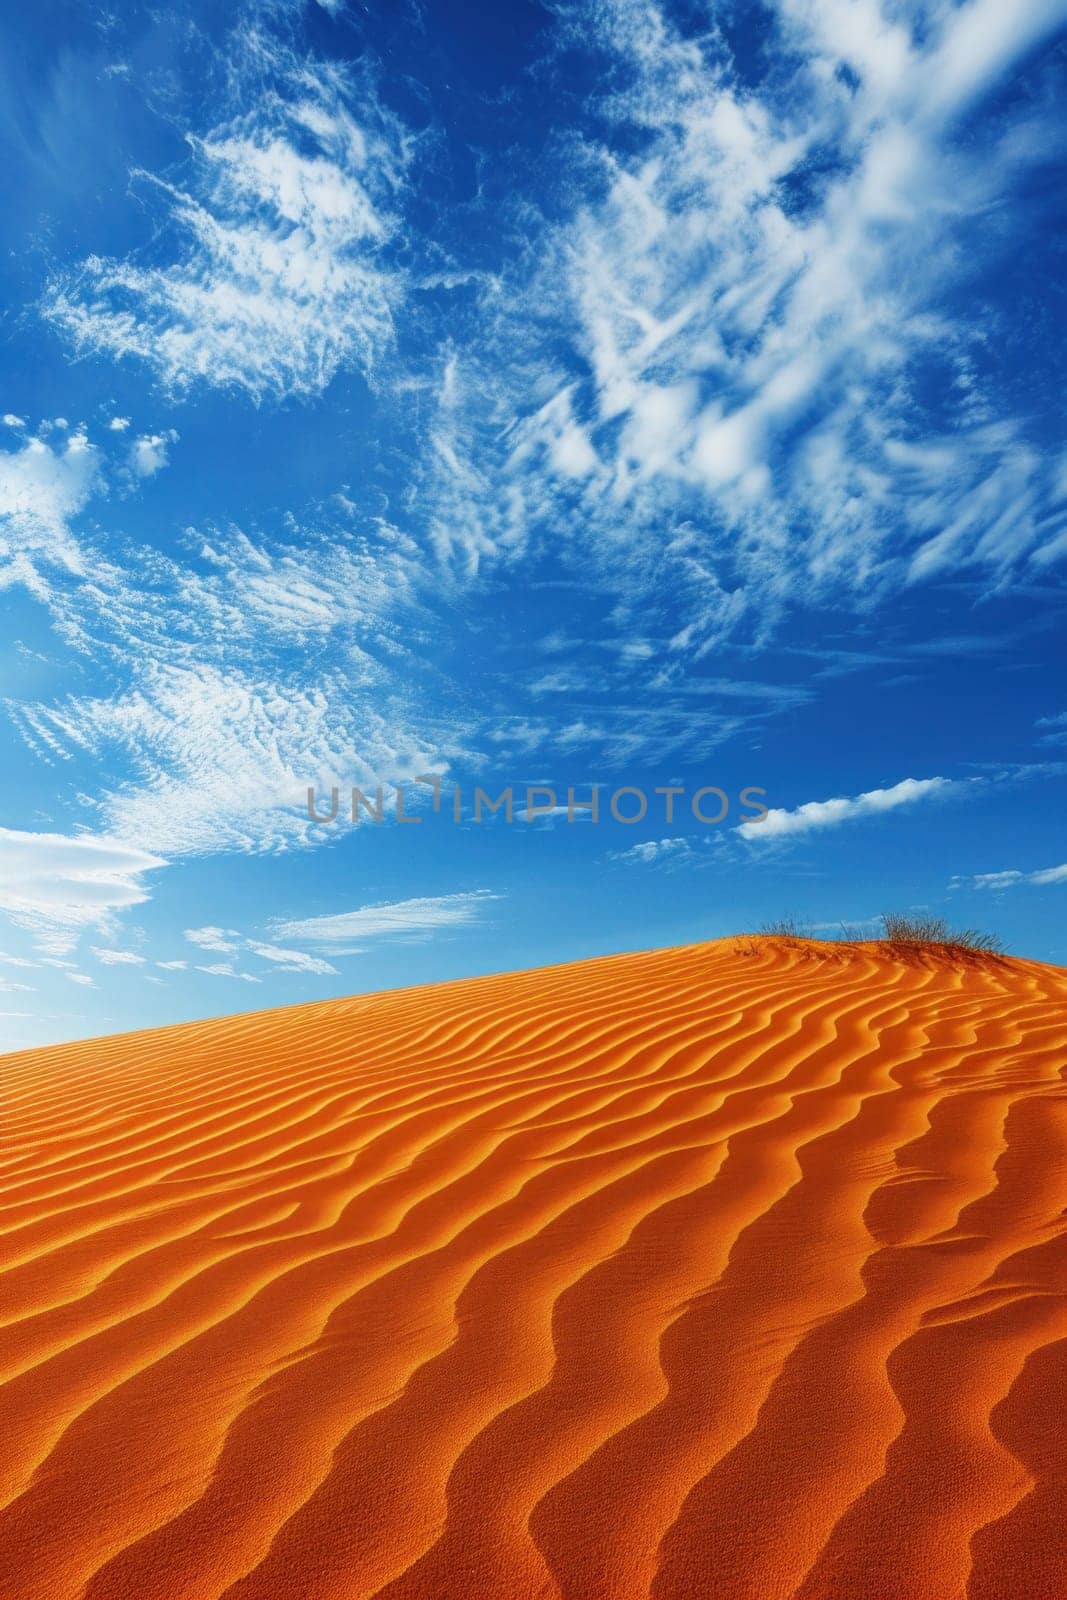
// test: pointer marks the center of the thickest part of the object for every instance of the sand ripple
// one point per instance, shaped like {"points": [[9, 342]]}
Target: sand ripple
{"points": [[735, 1271]]}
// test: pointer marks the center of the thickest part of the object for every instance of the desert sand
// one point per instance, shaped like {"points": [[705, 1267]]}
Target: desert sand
{"points": [[736, 1270]]}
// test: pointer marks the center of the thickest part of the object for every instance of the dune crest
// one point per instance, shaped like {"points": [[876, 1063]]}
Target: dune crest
{"points": [[735, 1270]]}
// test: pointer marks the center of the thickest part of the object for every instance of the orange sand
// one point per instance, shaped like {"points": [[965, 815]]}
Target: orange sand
{"points": [[728, 1271]]}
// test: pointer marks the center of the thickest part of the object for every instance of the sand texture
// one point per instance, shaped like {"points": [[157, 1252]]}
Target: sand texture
{"points": [[737, 1271]]}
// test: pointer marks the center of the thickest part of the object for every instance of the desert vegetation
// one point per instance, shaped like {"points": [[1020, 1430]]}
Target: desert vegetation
{"points": [[903, 935], [787, 927]]}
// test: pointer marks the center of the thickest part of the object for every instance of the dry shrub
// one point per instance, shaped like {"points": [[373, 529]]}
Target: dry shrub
{"points": [[905, 934]]}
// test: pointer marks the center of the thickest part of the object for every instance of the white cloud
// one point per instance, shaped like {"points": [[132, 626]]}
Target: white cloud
{"points": [[10, 420], [81, 978], [213, 938], [754, 306], [719, 382], [820, 814], [1011, 878], [56, 885], [226, 969], [520, 732], [40, 490], [1055, 729], [291, 960], [275, 276], [118, 958], [653, 850], [231, 760], [978, 43], [44, 488], [549, 816], [420, 916], [173, 966], [299, 589], [148, 454], [218, 728], [1049, 875]]}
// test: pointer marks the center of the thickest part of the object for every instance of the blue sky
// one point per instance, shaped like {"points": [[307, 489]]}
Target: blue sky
{"points": [[610, 393]]}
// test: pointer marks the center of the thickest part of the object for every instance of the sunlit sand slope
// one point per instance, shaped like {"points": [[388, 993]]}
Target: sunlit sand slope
{"points": [[729, 1271]]}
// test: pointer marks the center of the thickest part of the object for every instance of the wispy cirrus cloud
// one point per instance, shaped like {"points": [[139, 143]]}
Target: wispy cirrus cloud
{"points": [[221, 760], [817, 815], [654, 852], [268, 271], [292, 960], [337, 935], [229, 942], [216, 722], [359, 583], [417, 917], [225, 940], [118, 958], [1054, 729], [749, 372], [1012, 878], [226, 969]]}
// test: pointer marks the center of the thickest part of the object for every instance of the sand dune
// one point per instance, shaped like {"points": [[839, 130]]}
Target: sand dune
{"points": [[736, 1271]]}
